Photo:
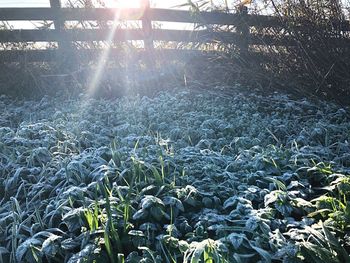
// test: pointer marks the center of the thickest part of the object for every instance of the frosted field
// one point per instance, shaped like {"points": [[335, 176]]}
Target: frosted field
{"points": [[186, 176]]}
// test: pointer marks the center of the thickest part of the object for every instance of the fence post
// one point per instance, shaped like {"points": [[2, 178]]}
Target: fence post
{"points": [[58, 22], [148, 45], [243, 30], [147, 26], [66, 58], [65, 54]]}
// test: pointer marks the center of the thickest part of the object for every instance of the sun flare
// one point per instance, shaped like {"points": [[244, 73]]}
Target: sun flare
{"points": [[123, 3]]}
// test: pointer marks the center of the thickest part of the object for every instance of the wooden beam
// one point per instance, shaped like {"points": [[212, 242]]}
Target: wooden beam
{"points": [[34, 35], [243, 30], [59, 24], [105, 14], [58, 20], [70, 14], [155, 14], [147, 25], [50, 55], [121, 35]]}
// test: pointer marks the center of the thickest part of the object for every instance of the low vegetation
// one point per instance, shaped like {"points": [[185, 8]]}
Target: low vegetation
{"points": [[185, 176]]}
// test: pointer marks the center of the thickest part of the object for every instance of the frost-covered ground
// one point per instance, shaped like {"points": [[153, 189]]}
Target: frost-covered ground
{"points": [[184, 176]]}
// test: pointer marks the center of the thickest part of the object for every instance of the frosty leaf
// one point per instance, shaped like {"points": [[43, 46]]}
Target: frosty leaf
{"points": [[172, 230], [172, 201], [50, 246], [140, 214], [83, 255], [183, 246], [236, 239], [270, 198], [24, 247], [231, 202], [299, 202], [191, 201], [263, 253], [251, 224], [157, 213], [284, 209], [74, 213], [69, 244], [148, 227], [136, 233], [149, 201], [3, 250], [74, 218]]}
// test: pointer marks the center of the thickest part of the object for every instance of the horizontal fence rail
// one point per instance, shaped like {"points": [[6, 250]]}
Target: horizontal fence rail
{"points": [[121, 35], [242, 36], [155, 14]]}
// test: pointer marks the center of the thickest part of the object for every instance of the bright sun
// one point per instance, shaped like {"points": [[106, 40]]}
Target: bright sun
{"points": [[123, 3]]}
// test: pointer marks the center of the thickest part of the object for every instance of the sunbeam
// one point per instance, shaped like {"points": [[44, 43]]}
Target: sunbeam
{"points": [[105, 54], [102, 60]]}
